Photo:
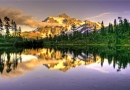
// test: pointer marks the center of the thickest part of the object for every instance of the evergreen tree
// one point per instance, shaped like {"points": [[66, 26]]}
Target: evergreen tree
{"points": [[116, 29], [1, 24], [102, 29], [95, 30], [95, 33], [109, 28], [115, 26], [12, 22], [7, 25], [15, 28], [19, 31], [126, 25], [120, 29]]}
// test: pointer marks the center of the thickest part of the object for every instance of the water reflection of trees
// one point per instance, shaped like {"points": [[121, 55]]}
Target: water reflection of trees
{"points": [[119, 56], [7, 61]]}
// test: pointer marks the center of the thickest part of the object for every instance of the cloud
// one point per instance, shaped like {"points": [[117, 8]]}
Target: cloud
{"points": [[100, 15], [22, 18], [126, 12], [99, 69], [108, 17], [17, 15], [27, 66], [36, 23]]}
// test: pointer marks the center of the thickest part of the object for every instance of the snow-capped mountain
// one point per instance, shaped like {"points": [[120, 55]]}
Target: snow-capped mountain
{"points": [[83, 28], [64, 19], [68, 22]]}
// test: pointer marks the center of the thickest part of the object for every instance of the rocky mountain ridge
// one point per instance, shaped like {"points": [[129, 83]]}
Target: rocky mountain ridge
{"points": [[68, 23]]}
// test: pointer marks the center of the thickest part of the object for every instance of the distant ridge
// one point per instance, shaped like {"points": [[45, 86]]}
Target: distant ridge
{"points": [[67, 21]]}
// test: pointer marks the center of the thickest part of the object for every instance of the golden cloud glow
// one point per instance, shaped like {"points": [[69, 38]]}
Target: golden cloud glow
{"points": [[100, 15], [22, 18]]}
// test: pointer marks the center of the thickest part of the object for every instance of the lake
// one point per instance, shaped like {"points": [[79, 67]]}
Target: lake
{"points": [[92, 68]]}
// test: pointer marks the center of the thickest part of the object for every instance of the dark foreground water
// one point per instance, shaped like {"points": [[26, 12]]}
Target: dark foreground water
{"points": [[65, 69]]}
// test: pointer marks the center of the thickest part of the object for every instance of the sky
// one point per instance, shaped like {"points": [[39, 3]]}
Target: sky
{"points": [[94, 10]]}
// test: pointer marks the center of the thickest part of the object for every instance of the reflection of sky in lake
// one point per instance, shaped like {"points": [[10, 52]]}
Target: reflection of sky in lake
{"points": [[80, 78], [33, 75], [28, 57]]}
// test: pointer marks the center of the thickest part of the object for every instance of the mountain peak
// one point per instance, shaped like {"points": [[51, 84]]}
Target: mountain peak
{"points": [[64, 15]]}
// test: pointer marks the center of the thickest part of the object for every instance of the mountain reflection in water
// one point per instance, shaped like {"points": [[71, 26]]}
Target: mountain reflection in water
{"points": [[17, 63]]}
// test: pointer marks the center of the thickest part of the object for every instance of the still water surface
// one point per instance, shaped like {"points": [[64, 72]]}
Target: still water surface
{"points": [[64, 69]]}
